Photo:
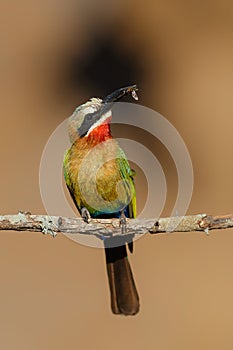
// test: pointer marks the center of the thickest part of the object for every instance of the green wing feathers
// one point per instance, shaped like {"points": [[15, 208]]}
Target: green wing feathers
{"points": [[128, 174]]}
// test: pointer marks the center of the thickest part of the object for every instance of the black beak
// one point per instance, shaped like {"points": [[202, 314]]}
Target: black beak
{"points": [[115, 96], [118, 94], [106, 106]]}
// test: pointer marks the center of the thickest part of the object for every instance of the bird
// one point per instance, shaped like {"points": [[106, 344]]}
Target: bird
{"points": [[101, 184]]}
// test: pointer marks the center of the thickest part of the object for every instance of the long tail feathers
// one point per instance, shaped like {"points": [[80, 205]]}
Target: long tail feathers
{"points": [[124, 296]]}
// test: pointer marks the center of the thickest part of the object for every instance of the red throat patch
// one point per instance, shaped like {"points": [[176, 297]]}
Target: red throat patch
{"points": [[100, 133]]}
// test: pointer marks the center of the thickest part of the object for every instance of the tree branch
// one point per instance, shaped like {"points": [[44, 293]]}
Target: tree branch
{"points": [[105, 228]]}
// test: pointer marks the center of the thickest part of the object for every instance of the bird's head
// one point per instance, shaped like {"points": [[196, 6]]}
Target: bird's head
{"points": [[95, 112]]}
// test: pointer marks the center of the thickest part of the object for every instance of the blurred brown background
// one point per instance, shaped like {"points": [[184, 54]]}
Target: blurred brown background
{"points": [[55, 55]]}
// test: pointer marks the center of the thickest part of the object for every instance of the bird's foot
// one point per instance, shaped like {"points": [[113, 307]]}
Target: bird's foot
{"points": [[85, 215], [123, 223]]}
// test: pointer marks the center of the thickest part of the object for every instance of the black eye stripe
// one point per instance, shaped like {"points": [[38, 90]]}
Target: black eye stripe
{"points": [[88, 117], [88, 121]]}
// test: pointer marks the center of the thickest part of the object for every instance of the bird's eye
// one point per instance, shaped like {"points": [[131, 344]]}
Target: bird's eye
{"points": [[88, 117]]}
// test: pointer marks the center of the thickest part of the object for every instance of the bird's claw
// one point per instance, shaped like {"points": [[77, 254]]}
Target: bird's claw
{"points": [[85, 215], [123, 223]]}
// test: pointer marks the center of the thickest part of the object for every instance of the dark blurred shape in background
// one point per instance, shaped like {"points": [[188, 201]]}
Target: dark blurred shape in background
{"points": [[104, 65]]}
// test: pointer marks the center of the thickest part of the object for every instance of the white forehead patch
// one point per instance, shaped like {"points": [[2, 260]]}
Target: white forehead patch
{"points": [[90, 106]]}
